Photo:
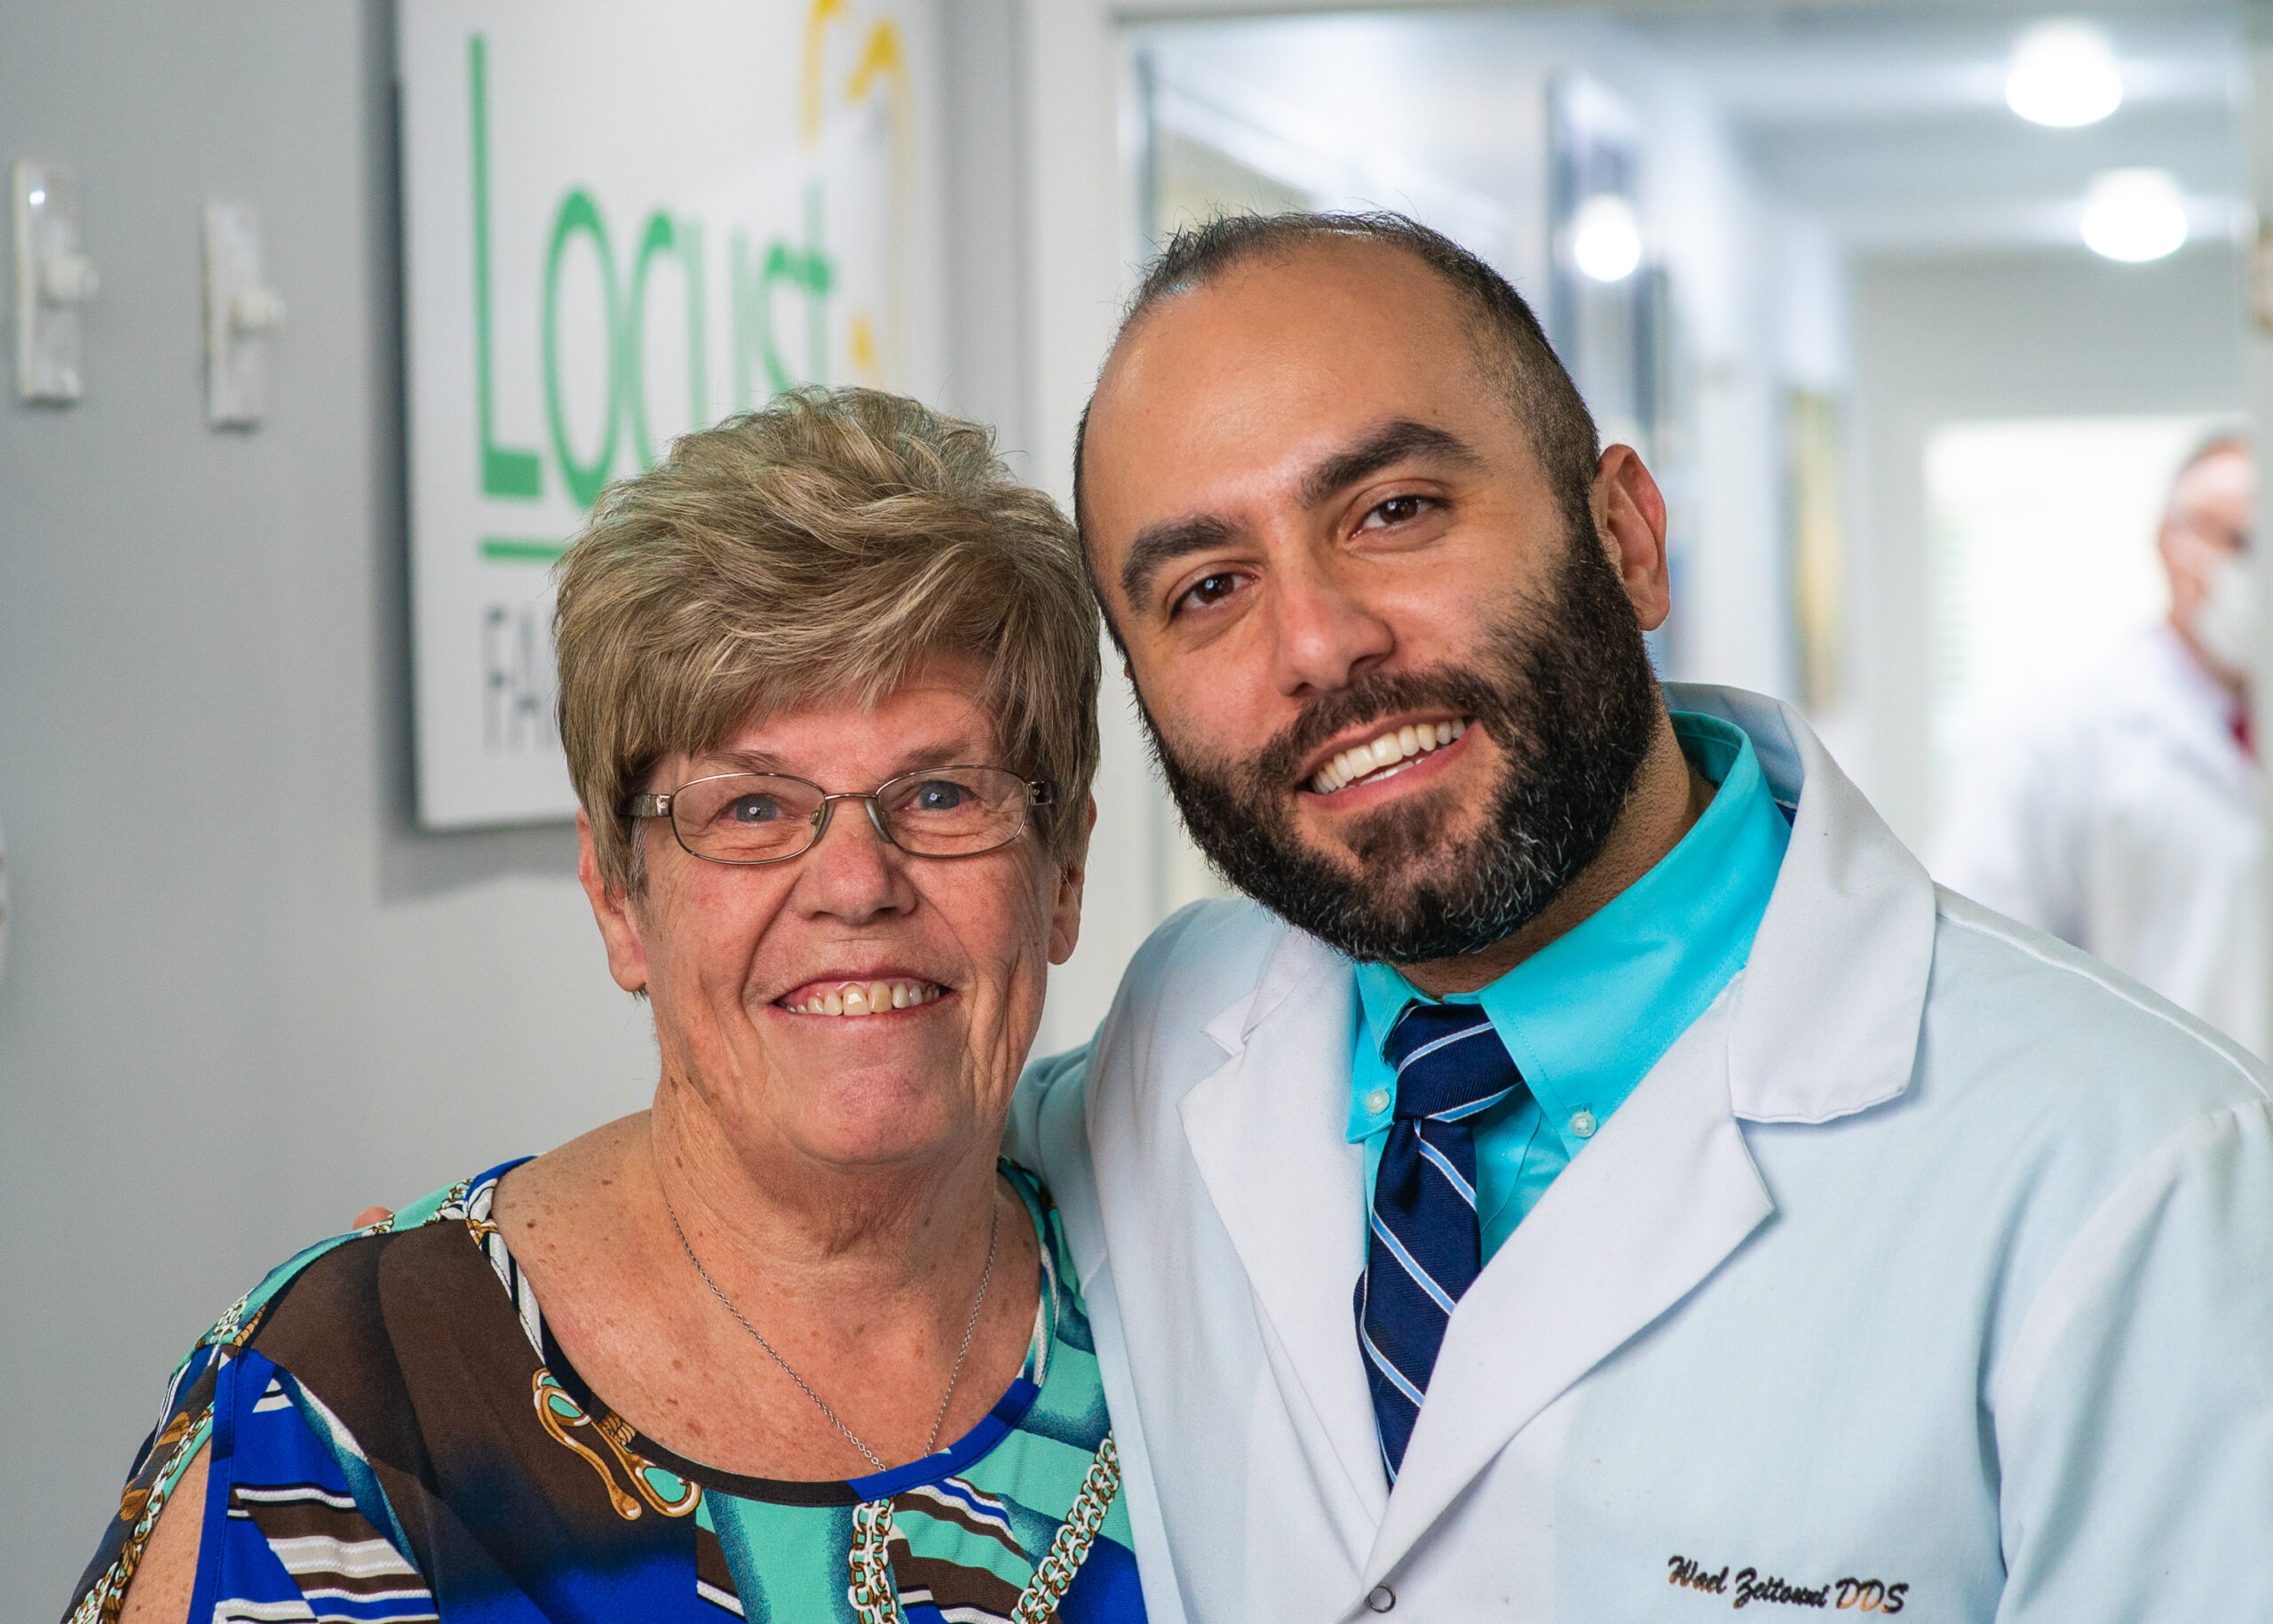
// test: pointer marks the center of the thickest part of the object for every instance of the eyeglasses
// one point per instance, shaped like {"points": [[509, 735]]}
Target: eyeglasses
{"points": [[771, 818]]}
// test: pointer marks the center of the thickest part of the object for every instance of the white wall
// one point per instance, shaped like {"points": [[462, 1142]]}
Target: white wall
{"points": [[243, 997], [1725, 246], [2038, 334]]}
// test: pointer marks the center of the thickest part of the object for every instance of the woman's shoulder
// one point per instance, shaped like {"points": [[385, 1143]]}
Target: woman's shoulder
{"points": [[354, 1254], [305, 1376]]}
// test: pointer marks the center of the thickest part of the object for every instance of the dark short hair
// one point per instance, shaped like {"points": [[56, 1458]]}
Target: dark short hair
{"points": [[1510, 343]]}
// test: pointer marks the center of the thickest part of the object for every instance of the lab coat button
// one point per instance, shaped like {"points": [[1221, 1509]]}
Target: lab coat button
{"points": [[1382, 1598], [1583, 1124], [1377, 1102]]}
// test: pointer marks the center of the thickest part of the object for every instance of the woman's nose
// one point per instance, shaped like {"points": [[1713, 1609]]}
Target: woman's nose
{"points": [[851, 872]]}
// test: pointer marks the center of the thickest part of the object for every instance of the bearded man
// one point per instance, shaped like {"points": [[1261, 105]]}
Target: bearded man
{"points": [[1603, 1177]]}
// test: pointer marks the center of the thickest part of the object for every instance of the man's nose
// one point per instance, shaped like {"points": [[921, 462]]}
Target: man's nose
{"points": [[853, 873], [1328, 633]]}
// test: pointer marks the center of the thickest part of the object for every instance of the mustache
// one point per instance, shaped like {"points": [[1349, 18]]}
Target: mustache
{"points": [[1278, 764]]}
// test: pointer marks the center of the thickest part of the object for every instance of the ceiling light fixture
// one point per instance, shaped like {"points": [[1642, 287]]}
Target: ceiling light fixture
{"points": [[2135, 214], [1606, 237], [2063, 75]]}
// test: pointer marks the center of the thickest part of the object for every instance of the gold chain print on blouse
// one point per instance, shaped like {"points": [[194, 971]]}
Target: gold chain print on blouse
{"points": [[875, 1598], [668, 1492]]}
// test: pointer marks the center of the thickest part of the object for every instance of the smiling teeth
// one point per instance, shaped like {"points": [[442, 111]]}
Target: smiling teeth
{"points": [[1362, 760], [869, 998]]}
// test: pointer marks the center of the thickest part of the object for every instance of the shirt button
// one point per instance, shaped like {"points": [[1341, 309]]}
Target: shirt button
{"points": [[1377, 1102], [1583, 1124], [1382, 1598]]}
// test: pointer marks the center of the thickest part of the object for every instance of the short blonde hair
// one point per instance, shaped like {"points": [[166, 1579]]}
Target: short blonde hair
{"points": [[817, 550]]}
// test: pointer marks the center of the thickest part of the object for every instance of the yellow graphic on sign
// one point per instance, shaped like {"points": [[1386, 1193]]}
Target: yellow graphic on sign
{"points": [[879, 66]]}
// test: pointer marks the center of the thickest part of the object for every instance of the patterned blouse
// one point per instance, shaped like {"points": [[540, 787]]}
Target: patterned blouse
{"points": [[396, 1436]]}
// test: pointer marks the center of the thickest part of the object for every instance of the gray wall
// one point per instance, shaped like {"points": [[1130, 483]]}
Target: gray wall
{"points": [[2022, 334], [243, 997]]}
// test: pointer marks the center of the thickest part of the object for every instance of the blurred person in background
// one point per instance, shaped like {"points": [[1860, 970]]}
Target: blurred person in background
{"points": [[794, 1343], [2121, 814]]}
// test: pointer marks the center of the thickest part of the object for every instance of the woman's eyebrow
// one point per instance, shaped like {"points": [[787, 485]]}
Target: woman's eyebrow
{"points": [[970, 750], [741, 761], [964, 752]]}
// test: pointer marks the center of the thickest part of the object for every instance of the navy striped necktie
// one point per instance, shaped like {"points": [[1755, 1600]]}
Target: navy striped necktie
{"points": [[1425, 1247]]}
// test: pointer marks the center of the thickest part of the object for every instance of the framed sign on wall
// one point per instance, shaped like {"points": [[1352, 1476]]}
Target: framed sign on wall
{"points": [[623, 221]]}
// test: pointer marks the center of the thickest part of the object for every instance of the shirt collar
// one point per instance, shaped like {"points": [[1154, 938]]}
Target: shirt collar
{"points": [[1589, 1014]]}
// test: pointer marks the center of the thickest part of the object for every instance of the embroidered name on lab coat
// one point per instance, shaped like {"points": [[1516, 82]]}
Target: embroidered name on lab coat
{"points": [[1749, 1585]]}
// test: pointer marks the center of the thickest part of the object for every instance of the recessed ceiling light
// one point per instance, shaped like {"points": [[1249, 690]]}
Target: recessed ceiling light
{"points": [[2135, 214], [1606, 237], [2063, 75]]}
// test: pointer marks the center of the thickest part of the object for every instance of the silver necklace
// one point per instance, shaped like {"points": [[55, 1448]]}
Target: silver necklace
{"points": [[993, 1233]]}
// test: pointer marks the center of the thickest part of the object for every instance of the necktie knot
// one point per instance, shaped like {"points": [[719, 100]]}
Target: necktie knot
{"points": [[1449, 1061]]}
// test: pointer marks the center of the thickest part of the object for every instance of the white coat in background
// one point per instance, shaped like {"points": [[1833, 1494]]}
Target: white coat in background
{"points": [[1930, 1273], [2121, 815]]}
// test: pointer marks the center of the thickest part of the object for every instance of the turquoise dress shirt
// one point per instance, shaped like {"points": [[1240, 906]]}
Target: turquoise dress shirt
{"points": [[1586, 1016]]}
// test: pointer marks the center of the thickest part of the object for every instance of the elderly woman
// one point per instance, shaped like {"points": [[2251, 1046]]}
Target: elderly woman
{"points": [[792, 1342]]}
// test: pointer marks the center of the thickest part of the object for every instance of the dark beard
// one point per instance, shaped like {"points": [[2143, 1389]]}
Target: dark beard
{"points": [[1565, 690]]}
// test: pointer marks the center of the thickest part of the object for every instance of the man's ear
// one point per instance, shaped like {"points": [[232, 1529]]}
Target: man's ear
{"points": [[1629, 515], [627, 955], [1065, 908]]}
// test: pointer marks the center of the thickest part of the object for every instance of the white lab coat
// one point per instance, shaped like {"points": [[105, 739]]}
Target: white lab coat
{"points": [[2121, 814], [1933, 1255]]}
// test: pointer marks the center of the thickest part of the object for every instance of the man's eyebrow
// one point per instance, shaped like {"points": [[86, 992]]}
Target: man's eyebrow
{"points": [[1392, 443], [1158, 545]]}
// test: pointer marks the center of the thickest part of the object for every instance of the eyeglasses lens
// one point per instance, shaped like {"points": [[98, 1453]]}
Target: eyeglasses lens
{"points": [[954, 811], [747, 818]]}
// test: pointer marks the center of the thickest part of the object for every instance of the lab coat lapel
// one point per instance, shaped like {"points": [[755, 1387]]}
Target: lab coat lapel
{"points": [[1268, 1131], [1824, 1021], [1646, 1211]]}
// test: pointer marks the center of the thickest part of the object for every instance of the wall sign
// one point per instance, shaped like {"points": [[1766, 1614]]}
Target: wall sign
{"points": [[622, 221]]}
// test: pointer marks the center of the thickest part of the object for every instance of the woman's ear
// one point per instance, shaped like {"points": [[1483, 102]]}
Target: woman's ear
{"points": [[627, 955], [1065, 908]]}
